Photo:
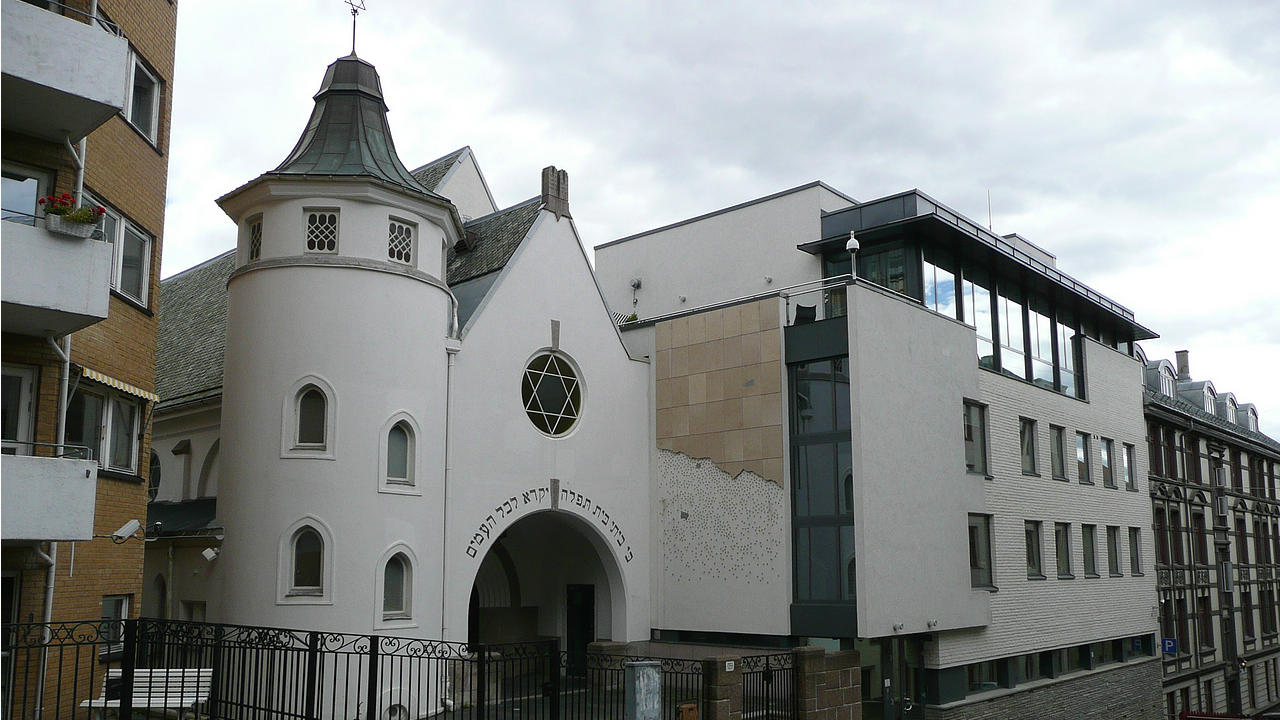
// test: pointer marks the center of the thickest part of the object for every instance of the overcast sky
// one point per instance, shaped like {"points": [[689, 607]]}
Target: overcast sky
{"points": [[1137, 141]]}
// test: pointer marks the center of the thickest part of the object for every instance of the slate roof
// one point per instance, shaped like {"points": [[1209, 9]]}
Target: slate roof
{"points": [[188, 517], [348, 134], [192, 331], [497, 235], [433, 172], [1197, 413]]}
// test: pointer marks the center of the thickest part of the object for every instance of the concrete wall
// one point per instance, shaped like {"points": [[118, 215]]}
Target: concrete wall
{"points": [[1128, 691], [910, 371], [49, 498], [1031, 615], [724, 255], [503, 468]]}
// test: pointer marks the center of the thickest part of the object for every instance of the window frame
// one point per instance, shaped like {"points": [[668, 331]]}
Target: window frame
{"points": [[1034, 540], [1062, 550], [1106, 461], [1089, 547], [287, 592], [1114, 568], [253, 251], [295, 588], [121, 227], [44, 187], [404, 618], [290, 447], [104, 453], [1130, 467], [337, 229], [1028, 450], [981, 559], [399, 486], [1084, 458], [979, 442], [1135, 552], [412, 227], [1058, 452], [114, 643], [24, 429], [152, 133]]}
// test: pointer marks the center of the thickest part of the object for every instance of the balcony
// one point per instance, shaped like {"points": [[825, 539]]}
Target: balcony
{"points": [[48, 498], [62, 77], [51, 282]]}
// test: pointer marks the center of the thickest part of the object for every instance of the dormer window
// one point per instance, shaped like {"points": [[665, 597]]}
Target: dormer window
{"points": [[1231, 410], [1168, 384], [322, 230], [1210, 400]]}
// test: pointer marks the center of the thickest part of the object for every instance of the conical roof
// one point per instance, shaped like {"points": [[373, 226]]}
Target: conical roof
{"points": [[348, 132]]}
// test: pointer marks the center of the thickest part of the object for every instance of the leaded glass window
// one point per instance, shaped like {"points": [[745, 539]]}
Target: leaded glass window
{"points": [[551, 393], [322, 231]]}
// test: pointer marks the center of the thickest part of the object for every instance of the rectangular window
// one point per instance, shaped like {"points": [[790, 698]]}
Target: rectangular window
{"points": [[115, 610], [131, 273], [321, 230], [1068, 354], [1027, 440], [980, 551], [977, 313], [1130, 480], [1035, 567], [1246, 613], [19, 409], [939, 282], [255, 238], [1107, 448], [1155, 455], [23, 188], [402, 238], [1200, 538], [1013, 360], [107, 425], [1135, 551], [887, 269], [1062, 547], [1058, 451], [975, 438], [1040, 341], [1176, 540], [1083, 473], [143, 106], [1113, 551], [1088, 541], [1205, 611]]}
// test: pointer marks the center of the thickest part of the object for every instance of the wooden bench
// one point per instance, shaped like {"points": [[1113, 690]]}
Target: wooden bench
{"points": [[158, 689]]}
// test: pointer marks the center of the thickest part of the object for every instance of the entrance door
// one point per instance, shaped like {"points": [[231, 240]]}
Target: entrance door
{"points": [[902, 665], [579, 625]]}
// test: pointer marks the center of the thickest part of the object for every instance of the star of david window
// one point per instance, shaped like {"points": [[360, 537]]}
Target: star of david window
{"points": [[551, 393]]}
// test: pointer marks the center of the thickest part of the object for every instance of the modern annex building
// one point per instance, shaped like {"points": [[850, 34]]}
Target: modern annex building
{"points": [[395, 407], [86, 96]]}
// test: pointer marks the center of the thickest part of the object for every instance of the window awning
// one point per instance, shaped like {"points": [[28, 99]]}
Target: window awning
{"points": [[120, 385]]}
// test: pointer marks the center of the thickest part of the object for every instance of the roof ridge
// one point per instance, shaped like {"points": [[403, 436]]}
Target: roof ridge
{"points": [[455, 154], [535, 198], [197, 266]]}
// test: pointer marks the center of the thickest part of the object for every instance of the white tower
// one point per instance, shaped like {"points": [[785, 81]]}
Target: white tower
{"points": [[336, 379]]}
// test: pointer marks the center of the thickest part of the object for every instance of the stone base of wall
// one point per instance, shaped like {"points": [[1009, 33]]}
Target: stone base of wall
{"points": [[1129, 691]]}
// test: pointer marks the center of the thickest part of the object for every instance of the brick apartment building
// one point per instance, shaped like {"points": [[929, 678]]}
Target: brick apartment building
{"points": [[87, 102]]}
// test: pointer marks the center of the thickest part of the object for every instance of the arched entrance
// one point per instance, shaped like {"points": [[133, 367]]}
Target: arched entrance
{"points": [[549, 575]]}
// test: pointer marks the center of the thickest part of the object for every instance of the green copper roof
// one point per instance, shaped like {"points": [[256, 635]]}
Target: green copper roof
{"points": [[348, 132]]}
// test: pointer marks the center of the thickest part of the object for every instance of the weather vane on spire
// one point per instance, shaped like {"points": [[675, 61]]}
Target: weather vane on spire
{"points": [[356, 6]]}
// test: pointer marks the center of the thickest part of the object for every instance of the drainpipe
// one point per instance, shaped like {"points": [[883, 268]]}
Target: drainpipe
{"points": [[77, 157], [51, 558], [444, 520], [171, 588]]}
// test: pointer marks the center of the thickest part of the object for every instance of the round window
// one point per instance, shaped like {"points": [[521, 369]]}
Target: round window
{"points": [[551, 393]]}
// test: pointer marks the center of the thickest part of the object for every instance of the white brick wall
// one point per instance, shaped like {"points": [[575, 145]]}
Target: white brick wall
{"points": [[1032, 615]]}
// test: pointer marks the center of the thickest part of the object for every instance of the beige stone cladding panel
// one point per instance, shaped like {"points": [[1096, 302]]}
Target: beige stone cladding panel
{"points": [[719, 387], [1030, 615]]}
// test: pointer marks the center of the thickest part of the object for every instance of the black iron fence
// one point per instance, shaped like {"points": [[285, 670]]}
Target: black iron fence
{"points": [[768, 687], [229, 672]]}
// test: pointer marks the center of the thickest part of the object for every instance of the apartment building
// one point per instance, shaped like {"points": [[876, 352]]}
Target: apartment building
{"points": [[87, 88], [1216, 509]]}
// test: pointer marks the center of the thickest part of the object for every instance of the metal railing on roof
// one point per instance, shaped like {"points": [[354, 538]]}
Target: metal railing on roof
{"points": [[66, 450]]}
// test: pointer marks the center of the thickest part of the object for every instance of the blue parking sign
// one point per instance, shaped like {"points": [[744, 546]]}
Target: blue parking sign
{"points": [[1169, 646]]}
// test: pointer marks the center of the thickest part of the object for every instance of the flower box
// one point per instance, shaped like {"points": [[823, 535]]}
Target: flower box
{"points": [[63, 226]]}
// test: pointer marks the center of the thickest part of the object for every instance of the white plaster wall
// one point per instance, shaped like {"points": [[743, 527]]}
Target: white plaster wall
{"points": [[720, 257], [378, 340], [464, 185], [362, 231], [723, 557], [502, 465], [1032, 615], [909, 372], [180, 474], [193, 578]]}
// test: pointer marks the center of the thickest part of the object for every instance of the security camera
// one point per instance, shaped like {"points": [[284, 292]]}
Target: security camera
{"points": [[210, 554], [126, 531], [852, 246]]}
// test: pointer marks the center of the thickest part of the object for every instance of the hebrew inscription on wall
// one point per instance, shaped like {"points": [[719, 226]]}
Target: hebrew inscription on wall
{"points": [[553, 496]]}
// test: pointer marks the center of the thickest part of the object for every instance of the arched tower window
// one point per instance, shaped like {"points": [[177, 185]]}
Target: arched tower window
{"points": [[396, 582], [322, 230], [311, 417], [153, 477], [400, 454], [308, 563]]}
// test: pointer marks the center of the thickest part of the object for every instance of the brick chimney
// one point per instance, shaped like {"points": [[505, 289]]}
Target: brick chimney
{"points": [[1184, 366], [555, 191]]}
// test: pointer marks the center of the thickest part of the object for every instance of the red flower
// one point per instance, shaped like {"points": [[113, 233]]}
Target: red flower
{"points": [[65, 196], [100, 210], [40, 201]]}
